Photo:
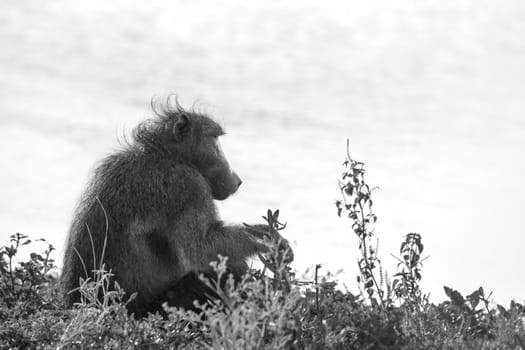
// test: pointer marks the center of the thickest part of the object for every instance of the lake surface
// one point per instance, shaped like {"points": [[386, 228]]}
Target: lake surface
{"points": [[431, 95]]}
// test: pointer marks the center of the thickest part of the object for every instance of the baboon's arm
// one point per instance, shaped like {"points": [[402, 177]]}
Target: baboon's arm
{"points": [[233, 241], [239, 242], [196, 241]]}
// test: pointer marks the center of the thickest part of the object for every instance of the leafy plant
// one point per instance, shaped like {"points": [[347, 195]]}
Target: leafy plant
{"points": [[280, 255], [470, 315], [24, 281], [406, 280], [356, 204]]}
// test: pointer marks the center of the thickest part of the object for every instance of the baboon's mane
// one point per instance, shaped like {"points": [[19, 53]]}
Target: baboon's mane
{"points": [[153, 132]]}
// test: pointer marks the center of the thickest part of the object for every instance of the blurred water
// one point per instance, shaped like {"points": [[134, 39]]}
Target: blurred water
{"points": [[430, 93]]}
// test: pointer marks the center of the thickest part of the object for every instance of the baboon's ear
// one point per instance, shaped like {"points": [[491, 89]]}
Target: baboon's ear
{"points": [[181, 127]]}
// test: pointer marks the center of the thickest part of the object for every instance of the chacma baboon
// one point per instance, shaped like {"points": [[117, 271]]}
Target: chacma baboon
{"points": [[149, 214]]}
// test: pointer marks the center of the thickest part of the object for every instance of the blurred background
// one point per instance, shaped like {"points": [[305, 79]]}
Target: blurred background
{"points": [[431, 95]]}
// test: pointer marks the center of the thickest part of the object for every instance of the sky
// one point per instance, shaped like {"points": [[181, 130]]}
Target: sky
{"points": [[429, 93]]}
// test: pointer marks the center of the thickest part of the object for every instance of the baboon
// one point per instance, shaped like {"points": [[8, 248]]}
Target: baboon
{"points": [[148, 212]]}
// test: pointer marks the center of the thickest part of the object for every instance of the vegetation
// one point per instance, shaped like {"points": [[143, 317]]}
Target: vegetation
{"points": [[268, 309]]}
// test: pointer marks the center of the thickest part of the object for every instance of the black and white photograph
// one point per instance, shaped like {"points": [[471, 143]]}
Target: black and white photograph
{"points": [[262, 174]]}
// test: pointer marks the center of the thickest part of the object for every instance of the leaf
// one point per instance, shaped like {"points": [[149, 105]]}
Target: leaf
{"points": [[474, 298], [10, 251], [394, 284], [349, 189], [502, 311], [415, 260], [454, 296]]}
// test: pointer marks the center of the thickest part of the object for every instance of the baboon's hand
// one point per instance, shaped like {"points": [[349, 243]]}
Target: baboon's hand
{"points": [[259, 231], [273, 240], [285, 251]]}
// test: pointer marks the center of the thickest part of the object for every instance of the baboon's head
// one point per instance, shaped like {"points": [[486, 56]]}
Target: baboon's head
{"points": [[194, 139], [202, 134]]}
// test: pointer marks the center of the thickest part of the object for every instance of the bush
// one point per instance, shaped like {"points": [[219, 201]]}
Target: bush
{"points": [[268, 309]]}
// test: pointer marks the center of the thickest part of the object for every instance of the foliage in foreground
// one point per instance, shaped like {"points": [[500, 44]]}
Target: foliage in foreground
{"points": [[255, 314], [268, 309]]}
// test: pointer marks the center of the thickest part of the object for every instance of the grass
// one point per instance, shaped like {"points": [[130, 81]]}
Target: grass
{"points": [[268, 309]]}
